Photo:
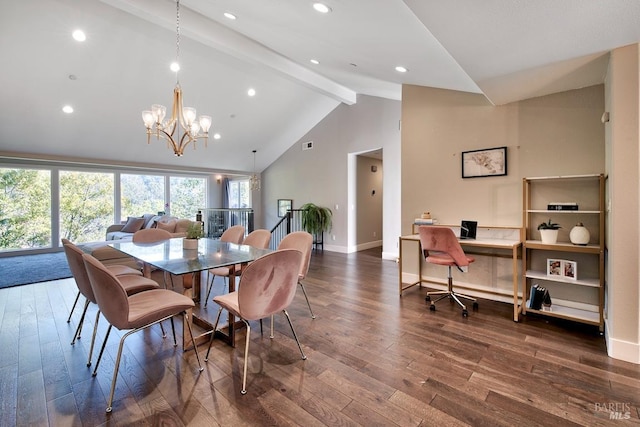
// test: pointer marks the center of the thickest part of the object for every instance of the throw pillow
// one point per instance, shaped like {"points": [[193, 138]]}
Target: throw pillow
{"points": [[169, 226], [133, 224]]}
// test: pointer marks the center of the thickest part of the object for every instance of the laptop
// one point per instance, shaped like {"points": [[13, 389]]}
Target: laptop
{"points": [[468, 229]]}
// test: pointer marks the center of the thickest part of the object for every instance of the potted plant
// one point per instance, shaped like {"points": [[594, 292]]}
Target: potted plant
{"points": [[316, 220], [549, 232], [193, 233]]}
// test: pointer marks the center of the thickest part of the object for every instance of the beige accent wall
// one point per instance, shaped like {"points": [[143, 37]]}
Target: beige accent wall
{"points": [[623, 166], [559, 134]]}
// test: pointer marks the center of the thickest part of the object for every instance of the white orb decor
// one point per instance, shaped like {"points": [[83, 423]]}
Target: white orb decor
{"points": [[579, 235]]}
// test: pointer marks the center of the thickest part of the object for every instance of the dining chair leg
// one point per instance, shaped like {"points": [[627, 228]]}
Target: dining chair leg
{"points": [[173, 329], [104, 344], [93, 338], [185, 318], [206, 299], [213, 332], [313, 316], [164, 334], [76, 335], [304, 356], [74, 307], [271, 326], [246, 358]]}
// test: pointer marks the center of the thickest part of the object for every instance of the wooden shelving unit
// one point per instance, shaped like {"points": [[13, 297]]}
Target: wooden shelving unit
{"points": [[580, 299]]}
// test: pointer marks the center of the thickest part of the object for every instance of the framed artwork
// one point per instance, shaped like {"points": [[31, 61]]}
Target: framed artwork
{"points": [[570, 270], [482, 163], [554, 267], [283, 206]]}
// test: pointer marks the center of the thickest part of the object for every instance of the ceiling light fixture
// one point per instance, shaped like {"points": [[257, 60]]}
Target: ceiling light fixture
{"points": [[314, 61], [251, 92], [254, 181], [79, 35], [230, 15], [401, 69], [183, 119], [67, 109], [321, 7]]}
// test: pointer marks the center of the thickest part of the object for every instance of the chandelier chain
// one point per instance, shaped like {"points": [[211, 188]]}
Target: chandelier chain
{"points": [[178, 31]]}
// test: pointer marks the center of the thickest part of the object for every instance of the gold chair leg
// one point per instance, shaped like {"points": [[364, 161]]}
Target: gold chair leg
{"points": [[74, 307], [313, 316], [213, 332], [93, 338], [76, 335], [304, 356], [246, 358]]}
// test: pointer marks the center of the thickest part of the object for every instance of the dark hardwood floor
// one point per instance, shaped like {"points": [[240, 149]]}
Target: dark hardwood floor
{"points": [[373, 359]]}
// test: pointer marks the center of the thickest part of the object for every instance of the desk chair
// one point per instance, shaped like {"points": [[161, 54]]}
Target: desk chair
{"points": [[440, 246]]}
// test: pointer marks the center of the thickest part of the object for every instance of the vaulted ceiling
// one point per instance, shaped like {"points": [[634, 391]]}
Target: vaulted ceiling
{"points": [[505, 49]]}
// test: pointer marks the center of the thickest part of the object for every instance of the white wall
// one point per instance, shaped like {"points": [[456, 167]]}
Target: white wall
{"points": [[320, 175]]}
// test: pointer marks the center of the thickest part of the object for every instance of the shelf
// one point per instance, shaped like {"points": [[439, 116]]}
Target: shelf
{"points": [[562, 246], [553, 212], [593, 283], [563, 312]]}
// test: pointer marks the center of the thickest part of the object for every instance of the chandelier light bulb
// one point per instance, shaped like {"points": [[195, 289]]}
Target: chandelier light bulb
{"points": [[79, 35]]}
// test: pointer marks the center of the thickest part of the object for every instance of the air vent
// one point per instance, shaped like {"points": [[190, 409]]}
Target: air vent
{"points": [[307, 145]]}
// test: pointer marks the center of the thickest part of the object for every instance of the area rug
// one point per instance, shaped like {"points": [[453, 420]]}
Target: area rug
{"points": [[22, 270]]}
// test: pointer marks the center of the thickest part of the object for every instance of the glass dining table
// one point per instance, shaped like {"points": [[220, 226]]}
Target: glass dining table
{"points": [[169, 256]]}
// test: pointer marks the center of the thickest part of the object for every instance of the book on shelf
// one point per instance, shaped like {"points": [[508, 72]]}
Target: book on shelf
{"points": [[562, 206]]}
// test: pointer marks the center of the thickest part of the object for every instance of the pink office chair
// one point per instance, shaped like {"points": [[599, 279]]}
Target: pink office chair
{"points": [[266, 287], [440, 246]]}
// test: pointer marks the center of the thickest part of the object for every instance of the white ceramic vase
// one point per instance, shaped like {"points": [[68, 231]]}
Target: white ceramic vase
{"points": [[189, 243], [579, 235], [549, 236]]}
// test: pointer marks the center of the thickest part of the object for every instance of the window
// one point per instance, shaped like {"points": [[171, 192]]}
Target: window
{"points": [[141, 194], [187, 196], [86, 205], [25, 209], [239, 194]]}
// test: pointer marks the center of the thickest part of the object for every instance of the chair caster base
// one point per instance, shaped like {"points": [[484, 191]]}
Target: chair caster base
{"points": [[465, 313], [243, 392], [427, 298], [109, 409], [432, 307]]}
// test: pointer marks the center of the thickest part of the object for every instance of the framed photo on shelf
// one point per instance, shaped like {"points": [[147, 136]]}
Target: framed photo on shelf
{"points": [[487, 162], [554, 267], [284, 205], [570, 270]]}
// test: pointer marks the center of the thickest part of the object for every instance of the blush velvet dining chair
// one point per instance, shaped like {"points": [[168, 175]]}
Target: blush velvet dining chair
{"points": [[133, 313], [132, 283], [116, 269], [233, 234], [267, 286], [441, 247], [302, 241], [258, 239]]}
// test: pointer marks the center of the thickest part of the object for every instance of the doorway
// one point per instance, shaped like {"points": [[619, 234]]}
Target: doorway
{"points": [[366, 201]]}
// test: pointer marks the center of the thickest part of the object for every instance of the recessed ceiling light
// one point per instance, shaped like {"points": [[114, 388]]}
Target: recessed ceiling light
{"points": [[401, 69], [216, 136], [79, 35], [251, 92], [321, 7], [314, 61], [230, 15], [67, 109], [175, 67]]}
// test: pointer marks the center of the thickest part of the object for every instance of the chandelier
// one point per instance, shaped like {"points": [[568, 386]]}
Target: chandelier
{"points": [[182, 128], [254, 181]]}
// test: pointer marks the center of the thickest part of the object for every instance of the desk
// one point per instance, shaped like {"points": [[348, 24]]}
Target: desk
{"points": [[501, 242], [169, 256]]}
